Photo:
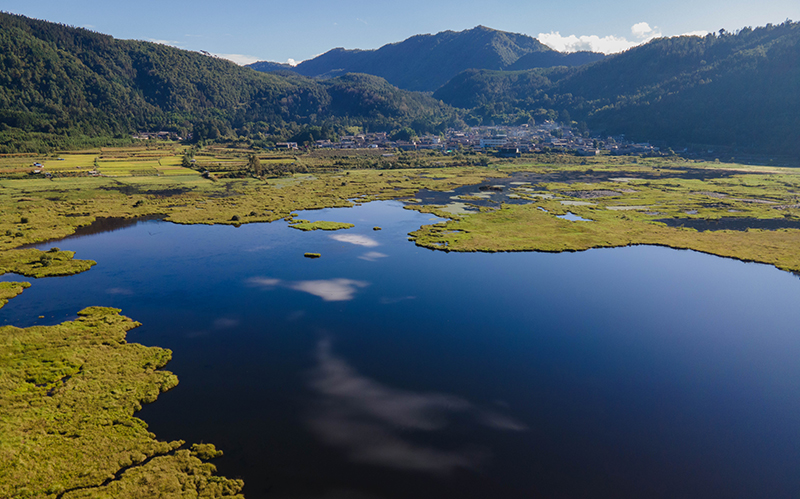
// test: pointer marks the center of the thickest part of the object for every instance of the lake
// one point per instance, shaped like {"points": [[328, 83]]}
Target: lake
{"points": [[385, 370]]}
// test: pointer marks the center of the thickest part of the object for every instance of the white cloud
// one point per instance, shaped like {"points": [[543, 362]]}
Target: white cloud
{"points": [[641, 30], [171, 43], [606, 44], [700, 33], [291, 62], [593, 43], [240, 59], [355, 239]]}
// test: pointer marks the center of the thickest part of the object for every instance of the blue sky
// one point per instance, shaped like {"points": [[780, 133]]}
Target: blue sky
{"points": [[249, 30]]}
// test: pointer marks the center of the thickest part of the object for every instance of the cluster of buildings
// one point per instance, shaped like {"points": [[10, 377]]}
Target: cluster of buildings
{"points": [[503, 141], [381, 140], [506, 141], [159, 136]]}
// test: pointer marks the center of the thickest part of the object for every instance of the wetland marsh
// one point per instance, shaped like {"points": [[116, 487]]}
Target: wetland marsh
{"points": [[384, 369]]}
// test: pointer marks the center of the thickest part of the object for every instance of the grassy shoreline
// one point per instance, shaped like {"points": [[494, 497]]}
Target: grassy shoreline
{"points": [[67, 397]]}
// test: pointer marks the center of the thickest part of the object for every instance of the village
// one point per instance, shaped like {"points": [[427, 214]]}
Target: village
{"points": [[503, 141]]}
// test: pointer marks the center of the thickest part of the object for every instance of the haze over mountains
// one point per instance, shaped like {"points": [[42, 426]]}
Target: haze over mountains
{"points": [[426, 62], [67, 87]]}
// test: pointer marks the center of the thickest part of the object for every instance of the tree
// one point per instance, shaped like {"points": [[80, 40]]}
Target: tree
{"points": [[186, 162], [254, 165]]}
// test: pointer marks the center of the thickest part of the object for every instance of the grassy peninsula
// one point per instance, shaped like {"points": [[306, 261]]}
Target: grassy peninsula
{"points": [[67, 397]]}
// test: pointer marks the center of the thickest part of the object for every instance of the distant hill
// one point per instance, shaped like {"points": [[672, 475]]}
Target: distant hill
{"points": [[62, 86], [740, 91], [426, 62], [270, 67]]}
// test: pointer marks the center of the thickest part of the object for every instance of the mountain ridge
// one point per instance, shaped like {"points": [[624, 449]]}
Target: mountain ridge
{"points": [[738, 90], [58, 83], [427, 61]]}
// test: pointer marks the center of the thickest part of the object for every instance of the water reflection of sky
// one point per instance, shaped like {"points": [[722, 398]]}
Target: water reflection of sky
{"points": [[629, 372], [375, 424], [327, 289]]}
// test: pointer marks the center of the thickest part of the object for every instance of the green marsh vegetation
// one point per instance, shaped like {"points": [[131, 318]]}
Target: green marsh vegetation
{"points": [[305, 225], [10, 290], [67, 397], [631, 207], [69, 391]]}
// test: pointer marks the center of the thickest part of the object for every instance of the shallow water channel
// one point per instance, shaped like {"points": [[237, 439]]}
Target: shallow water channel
{"points": [[384, 370]]}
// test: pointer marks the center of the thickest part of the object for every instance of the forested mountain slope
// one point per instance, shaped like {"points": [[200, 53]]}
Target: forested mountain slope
{"points": [[59, 83], [737, 90], [426, 62]]}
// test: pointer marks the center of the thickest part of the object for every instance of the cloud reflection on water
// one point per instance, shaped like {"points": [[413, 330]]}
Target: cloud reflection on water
{"points": [[372, 422], [371, 256], [225, 323], [330, 289], [355, 239], [340, 289]]}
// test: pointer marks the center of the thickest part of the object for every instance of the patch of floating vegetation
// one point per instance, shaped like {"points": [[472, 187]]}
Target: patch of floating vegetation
{"points": [[312, 255], [319, 225], [67, 397]]}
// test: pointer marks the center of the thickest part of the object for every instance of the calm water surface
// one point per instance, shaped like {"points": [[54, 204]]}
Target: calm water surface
{"points": [[384, 370]]}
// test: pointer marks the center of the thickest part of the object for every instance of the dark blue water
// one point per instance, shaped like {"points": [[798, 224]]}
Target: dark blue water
{"points": [[384, 370]]}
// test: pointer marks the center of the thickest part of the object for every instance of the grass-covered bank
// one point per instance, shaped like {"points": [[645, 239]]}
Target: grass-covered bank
{"points": [[67, 397], [646, 202]]}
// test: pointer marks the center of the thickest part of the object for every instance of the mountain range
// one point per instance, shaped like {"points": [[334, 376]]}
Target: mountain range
{"points": [[736, 90], [62, 86], [426, 62]]}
